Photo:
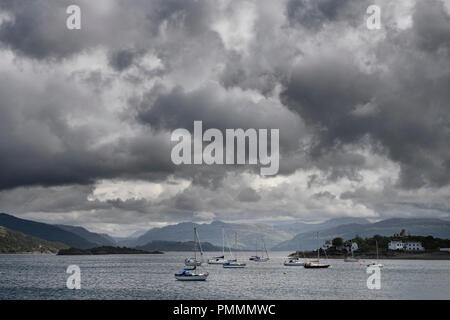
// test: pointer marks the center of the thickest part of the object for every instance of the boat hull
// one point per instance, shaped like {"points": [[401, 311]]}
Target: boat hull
{"points": [[379, 265], [194, 277], [316, 266], [234, 265], [294, 264]]}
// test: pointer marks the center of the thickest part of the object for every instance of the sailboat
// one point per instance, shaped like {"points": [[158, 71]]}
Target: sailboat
{"points": [[316, 264], [352, 259], [263, 258], [233, 263], [219, 259], [188, 275], [194, 262], [192, 274], [375, 264], [295, 262], [255, 257]]}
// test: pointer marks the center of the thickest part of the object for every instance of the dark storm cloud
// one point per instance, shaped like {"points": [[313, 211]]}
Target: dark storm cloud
{"points": [[402, 112], [100, 103], [431, 26], [218, 108], [121, 59], [314, 14]]}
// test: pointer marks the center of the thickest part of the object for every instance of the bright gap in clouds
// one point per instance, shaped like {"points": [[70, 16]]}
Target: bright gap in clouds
{"points": [[137, 189]]}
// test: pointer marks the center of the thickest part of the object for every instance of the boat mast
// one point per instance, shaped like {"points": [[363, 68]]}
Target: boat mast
{"points": [[195, 244], [223, 242], [318, 246], [376, 244], [265, 249]]}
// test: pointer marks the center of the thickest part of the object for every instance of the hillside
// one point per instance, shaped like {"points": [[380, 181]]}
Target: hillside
{"points": [[17, 242], [247, 234], [44, 231], [95, 238], [420, 227], [177, 246], [301, 227]]}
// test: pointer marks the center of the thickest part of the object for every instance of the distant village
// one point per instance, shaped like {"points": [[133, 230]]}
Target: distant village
{"points": [[399, 242]]}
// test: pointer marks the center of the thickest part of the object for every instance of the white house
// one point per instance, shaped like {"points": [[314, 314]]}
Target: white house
{"points": [[396, 245], [407, 246], [414, 246]]}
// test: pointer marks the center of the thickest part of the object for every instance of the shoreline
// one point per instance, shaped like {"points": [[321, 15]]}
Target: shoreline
{"points": [[394, 256]]}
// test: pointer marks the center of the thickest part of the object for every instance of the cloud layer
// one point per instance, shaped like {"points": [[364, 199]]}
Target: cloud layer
{"points": [[86, 114]]}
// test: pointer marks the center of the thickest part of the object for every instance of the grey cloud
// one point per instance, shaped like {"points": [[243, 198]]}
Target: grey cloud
{"points": [[329, 92], [248, 195], [344, 100]]}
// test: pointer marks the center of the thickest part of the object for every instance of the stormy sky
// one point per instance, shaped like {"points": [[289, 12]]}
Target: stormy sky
{"points": [[86, 115]]}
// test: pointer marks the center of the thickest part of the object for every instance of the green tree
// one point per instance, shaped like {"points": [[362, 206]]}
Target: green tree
{"points": [[337, 242]]}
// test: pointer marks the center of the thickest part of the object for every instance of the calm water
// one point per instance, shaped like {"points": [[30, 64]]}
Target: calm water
{"points": [[151, 277]]}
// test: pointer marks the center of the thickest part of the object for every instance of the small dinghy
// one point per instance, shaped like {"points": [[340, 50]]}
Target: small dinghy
{"points": [[188, 275]]}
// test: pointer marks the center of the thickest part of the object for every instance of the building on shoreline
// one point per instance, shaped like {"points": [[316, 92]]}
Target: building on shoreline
{"points": [[406, 245]]}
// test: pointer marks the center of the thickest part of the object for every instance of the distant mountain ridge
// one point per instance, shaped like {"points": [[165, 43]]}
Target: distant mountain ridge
{"points": [[300, 227], [247, 234], [278, 237], [96, 238], [415, 226], [177, 246]]}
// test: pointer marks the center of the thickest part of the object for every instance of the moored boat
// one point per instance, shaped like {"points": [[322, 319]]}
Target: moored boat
{"points": [[220, 259], [316, 264], [194, 262], [188, 275], [294, 262], [376, 263]]}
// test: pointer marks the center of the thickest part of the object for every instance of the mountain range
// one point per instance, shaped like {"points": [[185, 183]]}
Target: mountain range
{"points": [[419, 227], [244, 236], [240, 236]]}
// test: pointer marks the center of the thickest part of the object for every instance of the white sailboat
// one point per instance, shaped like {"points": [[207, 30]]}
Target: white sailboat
{"points": [[220, 259], [352, 259], [375, 264], [262, 258], [316, 264], [295, 262], [191, 273], [233, 263], [194, 262]]}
